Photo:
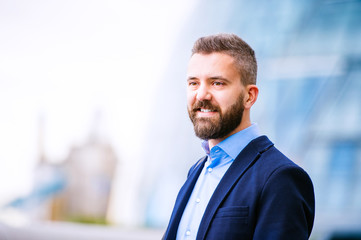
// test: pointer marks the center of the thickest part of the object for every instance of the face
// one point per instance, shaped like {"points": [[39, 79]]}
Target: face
{"points": [[214, 95]]}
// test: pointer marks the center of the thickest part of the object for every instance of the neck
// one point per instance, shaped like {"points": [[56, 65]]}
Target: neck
{"points": [[243, 125]]}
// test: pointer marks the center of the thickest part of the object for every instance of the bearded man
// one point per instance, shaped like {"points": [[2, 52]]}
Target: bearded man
{"points": [[244, 188]]}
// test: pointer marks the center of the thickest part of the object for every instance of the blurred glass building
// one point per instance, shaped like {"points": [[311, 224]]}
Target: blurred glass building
{"points": [[309, 56]]}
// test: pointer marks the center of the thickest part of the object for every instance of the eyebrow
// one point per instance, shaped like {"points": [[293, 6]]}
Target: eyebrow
{"points": [[219, 78], [212, 78]]}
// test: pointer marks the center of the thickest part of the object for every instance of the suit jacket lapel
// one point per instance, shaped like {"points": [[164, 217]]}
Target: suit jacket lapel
{"points": [[182, 199], [244, 160]]}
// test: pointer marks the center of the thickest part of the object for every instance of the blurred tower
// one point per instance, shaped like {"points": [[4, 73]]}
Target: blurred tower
{"points": [[89, 172], [49, 179]]}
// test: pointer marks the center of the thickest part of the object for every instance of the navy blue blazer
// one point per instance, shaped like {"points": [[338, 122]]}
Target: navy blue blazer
{"points": [[262, 196]]}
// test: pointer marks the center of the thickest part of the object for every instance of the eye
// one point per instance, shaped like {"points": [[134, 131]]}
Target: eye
{"points": [[218, 83], [192, 83]]}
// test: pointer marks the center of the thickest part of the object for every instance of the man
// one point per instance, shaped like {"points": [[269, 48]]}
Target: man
{"points": [[244, 188]]}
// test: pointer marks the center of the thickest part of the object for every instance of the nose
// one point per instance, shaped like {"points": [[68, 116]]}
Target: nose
{"points": [[203, 93]]}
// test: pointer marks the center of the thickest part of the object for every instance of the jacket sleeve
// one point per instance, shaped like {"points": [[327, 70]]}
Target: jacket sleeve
{"points": [[286, 208]]}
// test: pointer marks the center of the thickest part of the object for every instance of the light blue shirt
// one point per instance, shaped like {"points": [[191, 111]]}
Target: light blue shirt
{"points": [[219, 159]]}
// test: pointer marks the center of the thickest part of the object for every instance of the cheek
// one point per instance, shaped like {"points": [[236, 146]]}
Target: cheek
{"points": [[191, 97], [225, 101]]}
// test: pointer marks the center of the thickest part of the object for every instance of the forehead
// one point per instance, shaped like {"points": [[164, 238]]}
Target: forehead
{"points": [[213, 64]]}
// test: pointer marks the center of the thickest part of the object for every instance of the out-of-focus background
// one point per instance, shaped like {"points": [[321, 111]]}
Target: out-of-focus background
{"points": [[95, 141]]}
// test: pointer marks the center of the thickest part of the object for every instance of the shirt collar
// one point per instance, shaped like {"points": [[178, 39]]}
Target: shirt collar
{"points": [[235, 143]]}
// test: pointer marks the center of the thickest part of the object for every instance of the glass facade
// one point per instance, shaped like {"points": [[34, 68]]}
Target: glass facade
{"points": [[309, 55]]}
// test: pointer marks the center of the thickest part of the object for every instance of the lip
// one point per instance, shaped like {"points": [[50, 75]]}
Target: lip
{"points": [[205, 114]]}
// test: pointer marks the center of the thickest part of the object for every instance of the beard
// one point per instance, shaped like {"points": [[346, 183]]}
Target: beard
{"points": [[217, 126]]}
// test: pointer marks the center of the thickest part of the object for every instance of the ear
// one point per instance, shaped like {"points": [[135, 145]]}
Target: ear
{"points": [[250, 96]]}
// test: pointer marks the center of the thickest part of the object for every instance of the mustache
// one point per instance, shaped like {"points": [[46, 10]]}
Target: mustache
{"points": [[205, 104]]}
